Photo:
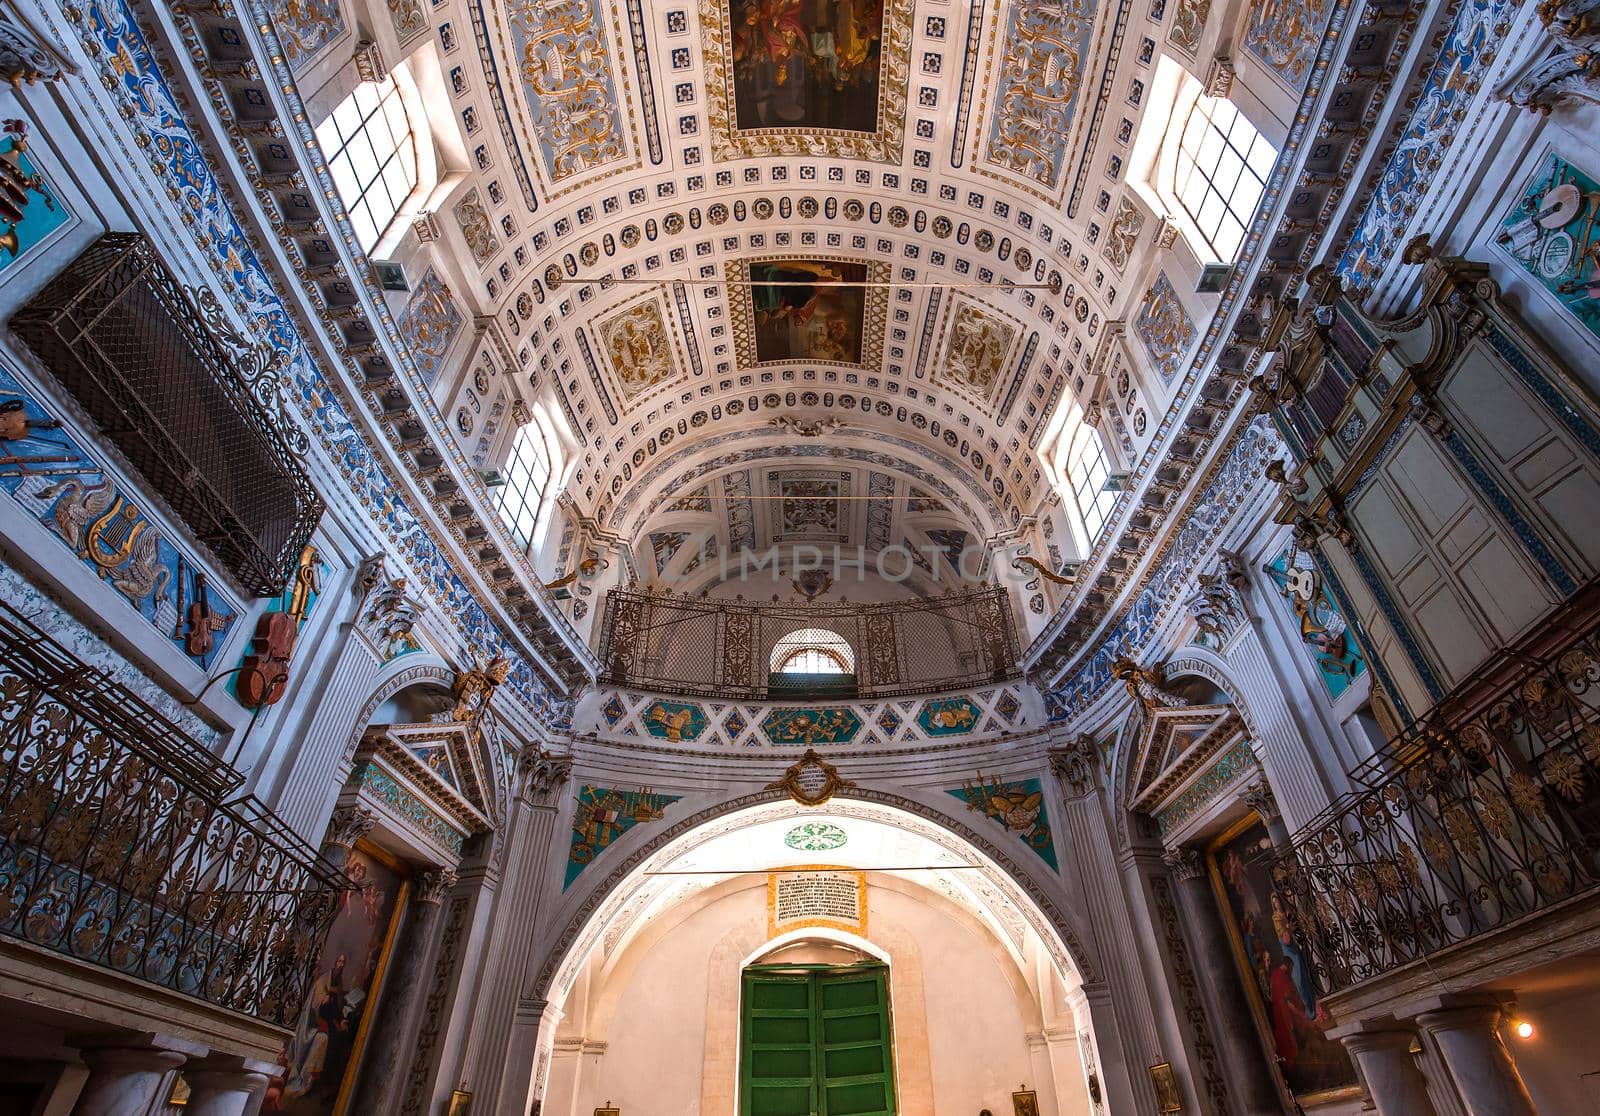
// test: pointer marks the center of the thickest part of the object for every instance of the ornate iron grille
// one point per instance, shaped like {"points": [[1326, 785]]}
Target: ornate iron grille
{"points": [[1483, 812], [720, 648], [117, 849], [166, 388]]}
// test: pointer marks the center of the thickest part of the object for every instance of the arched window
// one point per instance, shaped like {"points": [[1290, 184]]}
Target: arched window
{"points": [[813, 651], [1216, 168], [372, 149], [529, 476], [1082, 469]]}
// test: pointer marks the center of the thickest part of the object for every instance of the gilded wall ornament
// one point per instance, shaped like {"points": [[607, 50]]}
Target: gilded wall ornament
{"points": [[976, 348], [639, 347], [1123, 236], [476, 228], [811, 780], [1040, 74]]}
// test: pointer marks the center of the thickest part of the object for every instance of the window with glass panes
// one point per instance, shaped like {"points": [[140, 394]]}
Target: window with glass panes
{"points": [[372, 155], [520, 500], [1220, 173], [1087, 470]]}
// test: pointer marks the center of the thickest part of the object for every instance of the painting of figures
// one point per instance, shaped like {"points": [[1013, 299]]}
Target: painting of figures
{"points": [[1275, 968], [807, 63], [805, 310], [321, 1055]]}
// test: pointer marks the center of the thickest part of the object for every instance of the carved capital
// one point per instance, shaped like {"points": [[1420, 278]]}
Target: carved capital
{"points": [[542, 775], [1258, 796], [348, 825], [431, 887], [1568, 71], [426, 226], [369, 61], [25, 56], [1217, 603], [1166, 233], [1186, 865], [1219, 78], [1076, 764]]}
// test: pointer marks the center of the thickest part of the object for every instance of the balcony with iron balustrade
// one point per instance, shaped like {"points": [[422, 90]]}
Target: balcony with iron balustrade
{"points": [[136, 886], [1475, 836]]}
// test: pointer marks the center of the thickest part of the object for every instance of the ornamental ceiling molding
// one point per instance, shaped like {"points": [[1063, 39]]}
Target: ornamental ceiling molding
{"points": [[1019, 472], [617, 518], [600, 906], [110, 34], [1044, 46], [569, 69]]}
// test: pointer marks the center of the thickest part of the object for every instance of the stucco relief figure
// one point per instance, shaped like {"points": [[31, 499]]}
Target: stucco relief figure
{"points": [[807, 63], [977, 350], [1123, 236], [637, 343], [476, 228]]}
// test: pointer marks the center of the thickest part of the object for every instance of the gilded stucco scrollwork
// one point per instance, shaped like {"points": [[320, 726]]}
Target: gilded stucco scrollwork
{"points": [[977, 348], [639, 347], [1041, 73]]}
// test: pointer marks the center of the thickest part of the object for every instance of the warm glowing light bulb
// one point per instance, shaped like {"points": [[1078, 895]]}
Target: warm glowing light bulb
{"points": [[1523, 1028]]}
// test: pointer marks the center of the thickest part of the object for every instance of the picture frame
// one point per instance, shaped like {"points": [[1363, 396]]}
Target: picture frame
{"points": [[1168, 1097], [1025, 1102], [1320, 1071]]}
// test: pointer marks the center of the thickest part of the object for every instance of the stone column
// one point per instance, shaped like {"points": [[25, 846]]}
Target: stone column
{"points": [[498, 1062], [226, 1087], [1486, 1077], [1254, 1088], [1087, 842], [383, 1075], [1393, 1080], [124, 1079]]}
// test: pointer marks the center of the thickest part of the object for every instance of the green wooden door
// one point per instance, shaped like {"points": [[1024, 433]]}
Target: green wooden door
{"points": [[817, 1042], [779, 1063]]}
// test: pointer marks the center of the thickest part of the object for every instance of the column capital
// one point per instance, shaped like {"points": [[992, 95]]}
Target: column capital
{"points": [[1258, 796], [348, 825], [1389, 1039], [1186, 864], [1484, 1015], [432, 886], [132, 1059], [542, 775], [1077, 765]]}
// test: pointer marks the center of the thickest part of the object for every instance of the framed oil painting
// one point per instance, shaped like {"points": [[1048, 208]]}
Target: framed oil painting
{"points": [[1277, 975], [825, 78], [1168, 1099], [1025, 1102], [324, 1050], [809, 310]]}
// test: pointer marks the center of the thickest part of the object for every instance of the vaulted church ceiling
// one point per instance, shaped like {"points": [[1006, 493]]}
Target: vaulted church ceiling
{"points": [[877, 237]]}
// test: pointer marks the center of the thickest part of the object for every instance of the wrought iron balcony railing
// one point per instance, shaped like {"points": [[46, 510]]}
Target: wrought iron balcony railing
{"points": [[711, 647], [119, 848], [183, 398], [1484, 812]]}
